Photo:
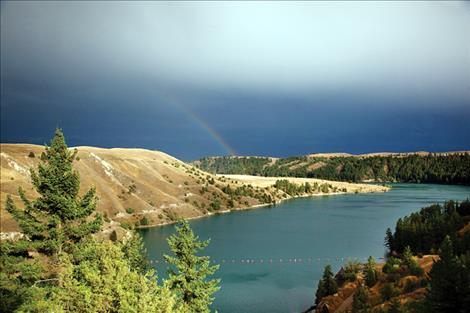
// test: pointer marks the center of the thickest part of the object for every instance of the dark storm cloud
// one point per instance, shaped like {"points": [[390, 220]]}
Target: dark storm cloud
{"points": [[268, 77]]}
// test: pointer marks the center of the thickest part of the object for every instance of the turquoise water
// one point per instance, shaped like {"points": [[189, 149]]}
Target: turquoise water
{"points": [[317, 230]]}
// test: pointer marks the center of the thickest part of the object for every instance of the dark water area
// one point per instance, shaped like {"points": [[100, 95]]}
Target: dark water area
{"points": [[312, 231]]}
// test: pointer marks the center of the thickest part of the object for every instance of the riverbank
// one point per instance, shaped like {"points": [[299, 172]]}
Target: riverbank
{"points": [[143, 188], [268, 182], [320, 228]]}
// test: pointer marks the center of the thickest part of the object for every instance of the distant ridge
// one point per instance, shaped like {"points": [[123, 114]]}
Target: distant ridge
{"points": [[451, 167], [345, 155], [384, 154]]}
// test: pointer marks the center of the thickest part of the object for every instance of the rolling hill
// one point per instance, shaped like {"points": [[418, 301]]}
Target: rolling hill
{"points": [[145, 188], [414, 167]]}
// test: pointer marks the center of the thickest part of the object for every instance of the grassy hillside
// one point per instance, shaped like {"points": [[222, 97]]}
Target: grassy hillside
{"points": [[144, 187], [419, 167]]}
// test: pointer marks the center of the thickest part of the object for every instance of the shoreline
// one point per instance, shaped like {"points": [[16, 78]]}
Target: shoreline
{"points": [[256, 206]]}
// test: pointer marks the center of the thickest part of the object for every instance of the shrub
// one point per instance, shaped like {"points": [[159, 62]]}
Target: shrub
{"points": [[215, 205], [389, 291], [351, 269], [411, 285], [411, 263], [370, 274], [361, 300], [129, 210], [106, 218], [392, 265], [173, 216], [31, 154], [113, 236], [132, 188], [144, 221], [416, 270]]}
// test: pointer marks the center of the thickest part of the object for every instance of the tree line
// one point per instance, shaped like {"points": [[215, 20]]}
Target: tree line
{"points": [[413, 168], [65, 262], [437, 230]]}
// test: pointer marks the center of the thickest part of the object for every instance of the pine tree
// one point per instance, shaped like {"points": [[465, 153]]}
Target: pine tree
{"points": [[449, 284], [370, 272], [59, 217], [389, 240], [327, 285], [411, 263], [189, 280], [136, 253], [98, 277], [360, 300]]}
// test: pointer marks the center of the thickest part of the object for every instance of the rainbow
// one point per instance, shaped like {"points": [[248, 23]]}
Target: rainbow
{"points": [[204, 125]]}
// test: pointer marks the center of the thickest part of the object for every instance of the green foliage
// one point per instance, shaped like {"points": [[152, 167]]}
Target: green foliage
{"points": [[188, 276], [291, 188], [97, 277], [83, 274], [432, 168], [433, 223], [130, 210], [144, 221], [231, 165], [136, 253], [173, 216], [449, 289], [351, 269], [392, 265], [411, 263], [327, 285], [17, 275], [388, 291], [434, 228], [361, 300], [31, 155], [370, 274], [215, 205], [58, 218], [113, 237]]}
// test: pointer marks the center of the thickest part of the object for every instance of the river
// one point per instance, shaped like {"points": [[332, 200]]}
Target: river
{"points": [[272, 258]]}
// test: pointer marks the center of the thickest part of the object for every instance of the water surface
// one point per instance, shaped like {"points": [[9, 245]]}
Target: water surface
{"points": [[314, 231]]}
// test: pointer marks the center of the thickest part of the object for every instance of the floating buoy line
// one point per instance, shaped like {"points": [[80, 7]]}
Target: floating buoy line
{"points": [[280, 260]]}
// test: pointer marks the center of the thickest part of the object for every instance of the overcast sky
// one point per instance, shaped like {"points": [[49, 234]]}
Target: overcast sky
{"points": [[265, 78]]}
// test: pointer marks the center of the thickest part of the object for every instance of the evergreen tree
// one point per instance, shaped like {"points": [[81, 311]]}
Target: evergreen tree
{"points": [[360, 300], [411, 263], [389, 241], [58, 218], [327, 285], [189, 280], [449, 284], [97, 277], [136, 253], [16, 276], [370, 272]]}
